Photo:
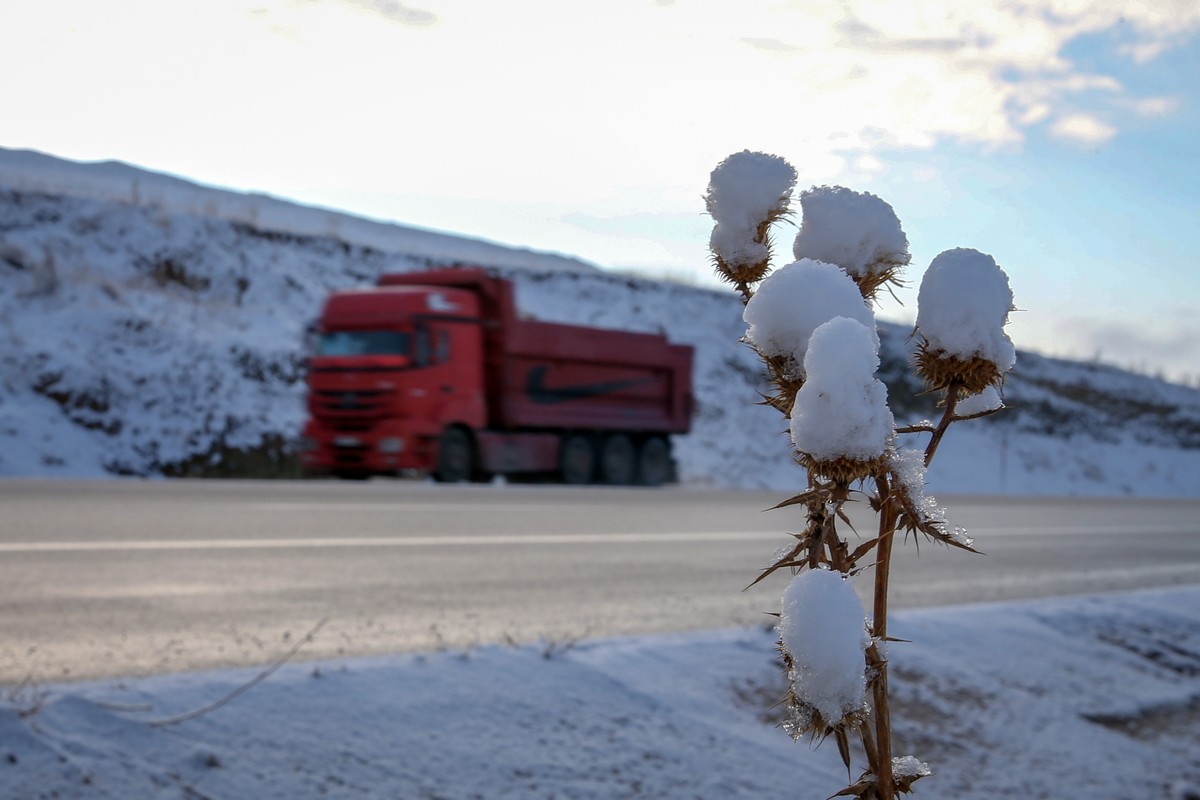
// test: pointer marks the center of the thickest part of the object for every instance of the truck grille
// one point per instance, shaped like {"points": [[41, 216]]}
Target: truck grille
{"points": [[351, 425], [337, 403]]}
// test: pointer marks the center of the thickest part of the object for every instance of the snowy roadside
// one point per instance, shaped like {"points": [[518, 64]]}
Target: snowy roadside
{"points": [[1095, 696]]}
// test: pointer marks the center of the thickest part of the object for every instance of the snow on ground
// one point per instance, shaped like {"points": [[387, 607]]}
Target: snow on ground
{"points": [[1089, 697], [981, 460]]}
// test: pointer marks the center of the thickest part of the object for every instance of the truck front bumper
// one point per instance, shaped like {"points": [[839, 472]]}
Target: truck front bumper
{"points": [[382, 450]]}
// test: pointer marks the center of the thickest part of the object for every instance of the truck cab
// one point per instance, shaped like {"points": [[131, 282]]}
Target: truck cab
{"points": [[390, 369]]}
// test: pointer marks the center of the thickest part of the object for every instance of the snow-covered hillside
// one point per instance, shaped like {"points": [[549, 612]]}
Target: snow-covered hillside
{"points": [[156, 337], [30, 171]]}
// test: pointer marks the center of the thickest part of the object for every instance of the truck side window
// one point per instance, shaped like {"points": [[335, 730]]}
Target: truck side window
{"points": [[423, 354], [443, 346]]}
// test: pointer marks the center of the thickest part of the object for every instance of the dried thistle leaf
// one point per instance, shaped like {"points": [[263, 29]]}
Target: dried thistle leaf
{"points": [[864, 787], [863, 549], [803, 543], [842, 516], [775, 568], [843, 744], [810, 496], [937, 532]]}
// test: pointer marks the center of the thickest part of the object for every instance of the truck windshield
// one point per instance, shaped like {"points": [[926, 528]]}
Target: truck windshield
{"points": [[362, 343]]}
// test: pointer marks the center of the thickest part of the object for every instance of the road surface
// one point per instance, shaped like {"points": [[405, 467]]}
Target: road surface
{"points": [[113, 578]]}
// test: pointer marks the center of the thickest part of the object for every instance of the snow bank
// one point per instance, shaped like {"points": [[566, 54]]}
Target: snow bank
{"points": [[1012, 701]]}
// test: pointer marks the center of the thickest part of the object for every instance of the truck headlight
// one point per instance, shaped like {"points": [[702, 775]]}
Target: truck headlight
{"points": [[391, 444]]}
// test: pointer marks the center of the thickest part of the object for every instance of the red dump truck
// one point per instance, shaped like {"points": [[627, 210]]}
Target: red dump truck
{"points": [[435, 372]]}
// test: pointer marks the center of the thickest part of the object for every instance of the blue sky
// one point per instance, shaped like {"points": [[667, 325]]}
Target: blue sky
{"points": [[1059, 136]]}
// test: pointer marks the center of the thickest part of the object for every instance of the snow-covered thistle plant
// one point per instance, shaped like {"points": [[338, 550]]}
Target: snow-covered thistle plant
{"points": [[747, 193], [813, 325]]}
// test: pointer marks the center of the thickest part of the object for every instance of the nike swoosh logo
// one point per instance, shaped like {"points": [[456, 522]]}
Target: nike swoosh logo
{"points": [[535, 386]]}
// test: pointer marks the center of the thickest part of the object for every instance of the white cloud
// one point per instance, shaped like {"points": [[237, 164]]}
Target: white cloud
{"points": [[1156, 106], [1034, 113], [1083, 128], [397, 12], [926, 175], [868, 163], [533, 99]]}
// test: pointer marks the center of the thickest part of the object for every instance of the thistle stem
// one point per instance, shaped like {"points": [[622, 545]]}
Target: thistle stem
{"points": [[947, 418], [839, 556], [883, 564]]}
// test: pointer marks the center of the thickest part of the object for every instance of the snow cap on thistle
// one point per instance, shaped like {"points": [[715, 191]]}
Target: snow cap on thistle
{"points": [[747, 192], [855, 230], [962, 308], [823, 633], [841, 424], [795, 300]]}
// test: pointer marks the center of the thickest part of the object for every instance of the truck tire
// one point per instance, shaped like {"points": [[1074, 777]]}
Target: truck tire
{"points": [[654, 462], [577, 460], [618, 460], [455, 457]]}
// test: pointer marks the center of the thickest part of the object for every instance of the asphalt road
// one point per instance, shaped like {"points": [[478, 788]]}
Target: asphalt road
{"points": [[113, 578]]}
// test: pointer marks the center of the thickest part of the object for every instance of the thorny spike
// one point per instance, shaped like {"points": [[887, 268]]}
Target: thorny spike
{"points": [[843, 743]]}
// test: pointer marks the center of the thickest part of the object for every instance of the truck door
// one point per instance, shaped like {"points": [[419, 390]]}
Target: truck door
{"points": [[449, 356]]}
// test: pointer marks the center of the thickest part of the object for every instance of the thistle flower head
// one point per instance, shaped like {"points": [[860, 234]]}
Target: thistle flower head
{"points": [[945, 372], [857, 231], [962, 308], [747, 193], [823, 638], [841, 424], [843, 470], [793, 302]]}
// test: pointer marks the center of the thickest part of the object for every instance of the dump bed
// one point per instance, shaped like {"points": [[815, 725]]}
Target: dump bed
{"points": [[549, 376], [567, 376]]}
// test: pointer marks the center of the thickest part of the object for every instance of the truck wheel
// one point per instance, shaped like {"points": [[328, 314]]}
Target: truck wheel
{"points": [[654, 462], [577, 460], [618, 461], [455, 457]]}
